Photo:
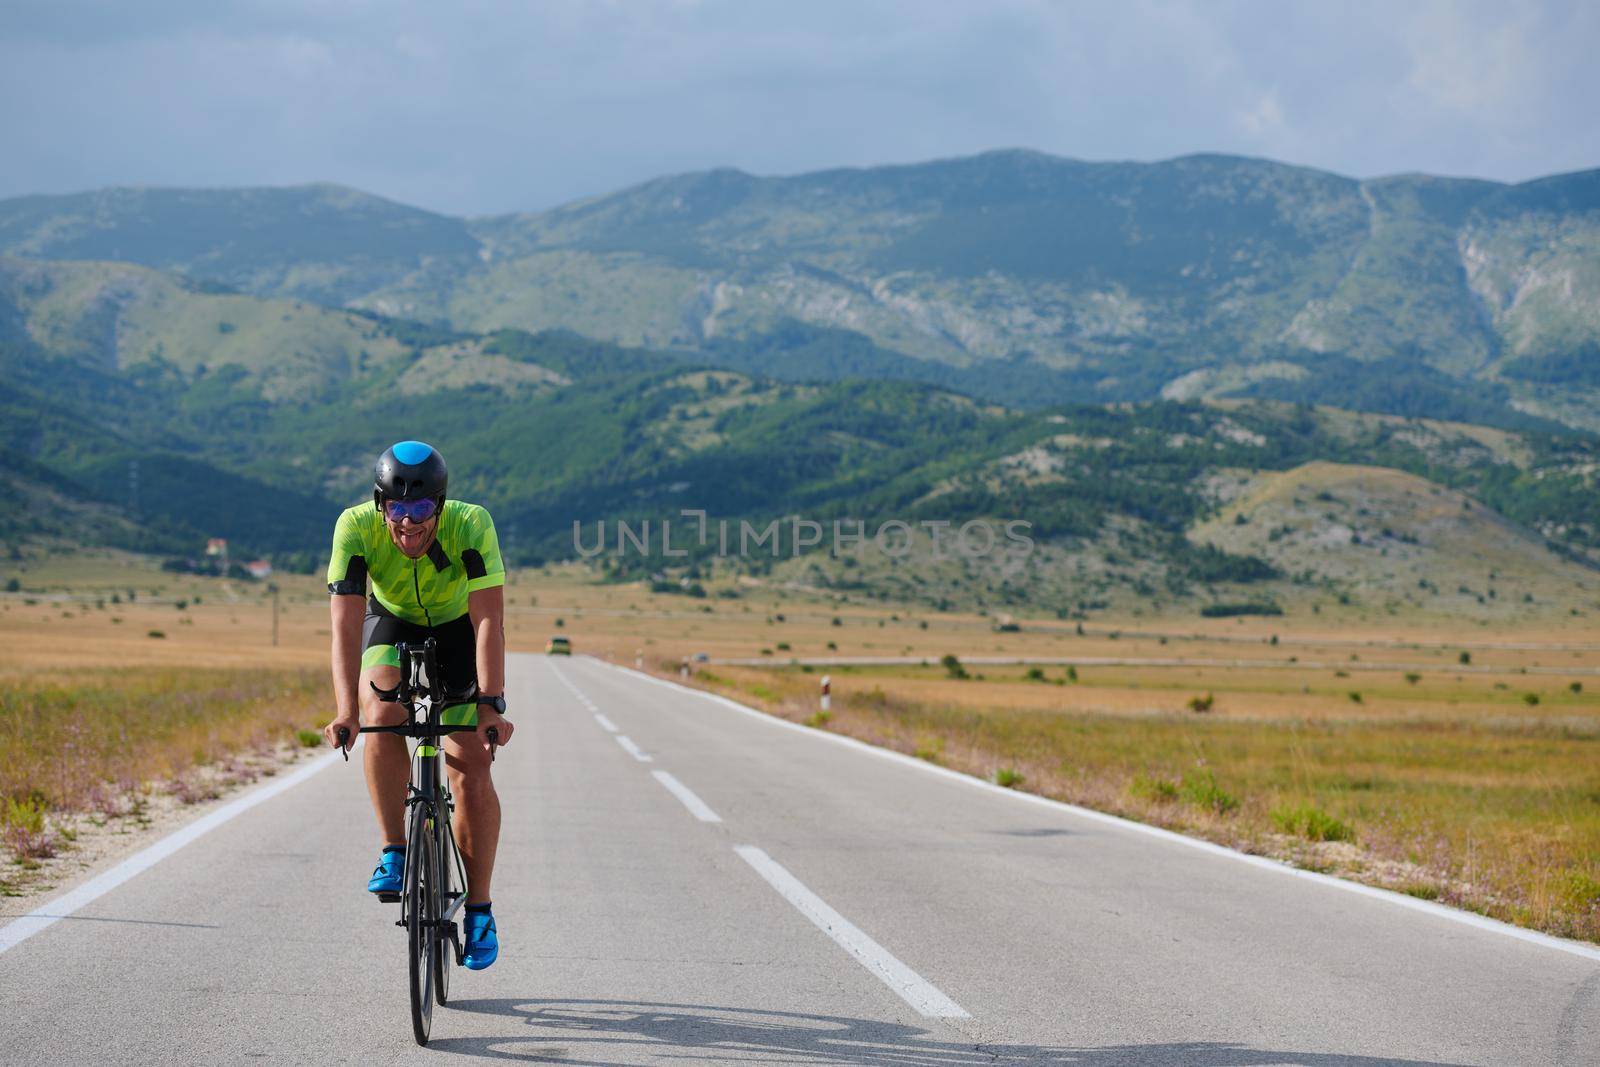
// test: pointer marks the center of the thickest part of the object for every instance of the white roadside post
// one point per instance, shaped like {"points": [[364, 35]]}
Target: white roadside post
{"points": [[826, 685], [638, 659], [683, 668]]}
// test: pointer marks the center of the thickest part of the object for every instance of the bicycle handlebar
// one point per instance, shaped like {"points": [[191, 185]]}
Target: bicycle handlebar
{"points": [[422, 732], [419, 730]]}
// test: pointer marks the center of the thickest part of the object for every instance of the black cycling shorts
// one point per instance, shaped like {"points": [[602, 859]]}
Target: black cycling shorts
{"points": [[455, 645]]}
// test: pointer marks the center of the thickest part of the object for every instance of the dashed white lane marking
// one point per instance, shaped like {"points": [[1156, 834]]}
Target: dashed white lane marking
{"points": [[47, 915], [907, 984], [1426, 907], [697, 807], [610, 726], [632, 749]]}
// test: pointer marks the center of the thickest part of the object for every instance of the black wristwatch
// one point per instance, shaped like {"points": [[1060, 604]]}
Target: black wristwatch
{"points": [[497, 703]]}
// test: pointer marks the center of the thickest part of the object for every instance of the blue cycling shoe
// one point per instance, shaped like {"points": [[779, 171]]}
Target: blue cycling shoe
{"points": [[391, 865], [482, 944]]}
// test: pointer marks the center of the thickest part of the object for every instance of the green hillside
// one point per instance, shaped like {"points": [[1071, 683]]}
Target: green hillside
{"points": [[1014, 276], [114, 444], [317, 242]]}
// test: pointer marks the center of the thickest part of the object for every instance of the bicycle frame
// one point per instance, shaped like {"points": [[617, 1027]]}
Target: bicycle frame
{"points": [[421, 692]]}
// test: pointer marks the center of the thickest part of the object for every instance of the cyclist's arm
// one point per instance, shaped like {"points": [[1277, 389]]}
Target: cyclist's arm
{"points": [[486, 578], [487, 610], [348, 613], [347, 582]]}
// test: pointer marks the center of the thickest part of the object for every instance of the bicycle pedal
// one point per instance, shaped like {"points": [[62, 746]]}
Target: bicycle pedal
{"points": [[388, 898]]}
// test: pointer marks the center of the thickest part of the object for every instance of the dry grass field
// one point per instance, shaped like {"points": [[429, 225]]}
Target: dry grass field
{"points": [[1450, 759]]}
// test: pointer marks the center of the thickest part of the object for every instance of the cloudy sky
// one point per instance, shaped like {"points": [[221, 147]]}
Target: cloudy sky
{"points": [[473, 106]]}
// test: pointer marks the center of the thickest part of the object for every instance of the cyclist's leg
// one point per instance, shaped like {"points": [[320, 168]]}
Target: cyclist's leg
{"points": [[466, 760], [477, 824], [387, 764]]}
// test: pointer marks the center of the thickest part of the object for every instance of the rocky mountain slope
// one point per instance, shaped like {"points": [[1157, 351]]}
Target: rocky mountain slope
{"points": [[1012, 275]]}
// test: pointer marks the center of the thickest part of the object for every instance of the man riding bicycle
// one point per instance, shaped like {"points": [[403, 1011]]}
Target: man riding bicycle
{"points": [[436, 572]]}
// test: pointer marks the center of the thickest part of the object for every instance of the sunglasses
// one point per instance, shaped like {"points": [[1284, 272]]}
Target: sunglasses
{"points": [[418, 511]]}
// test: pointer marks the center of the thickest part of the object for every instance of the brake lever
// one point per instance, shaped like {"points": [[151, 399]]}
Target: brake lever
{"points": [[344, 736], [493, 733]]}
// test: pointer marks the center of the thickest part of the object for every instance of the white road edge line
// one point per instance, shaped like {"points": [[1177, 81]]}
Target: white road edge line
{"points": [[46, 915], [697, 807], [910, 986], [610, 726], [1426, 907], [632, 749]]}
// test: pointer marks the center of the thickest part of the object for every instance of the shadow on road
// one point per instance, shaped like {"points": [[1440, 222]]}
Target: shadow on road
{"points": [[593, 1033]]}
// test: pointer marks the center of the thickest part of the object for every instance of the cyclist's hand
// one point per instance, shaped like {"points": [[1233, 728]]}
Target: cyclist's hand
{"points": [[488, 717], [351, 724]]}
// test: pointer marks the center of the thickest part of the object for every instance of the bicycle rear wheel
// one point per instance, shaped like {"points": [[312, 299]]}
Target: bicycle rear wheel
{"points": [[422, 916]]}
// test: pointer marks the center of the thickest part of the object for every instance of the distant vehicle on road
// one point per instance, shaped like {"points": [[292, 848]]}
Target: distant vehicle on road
{"points": [[701, 657], [559, 646]]}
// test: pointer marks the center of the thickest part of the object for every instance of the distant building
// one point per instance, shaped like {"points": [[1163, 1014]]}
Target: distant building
{"points": [[217, 546], [258, 568]]}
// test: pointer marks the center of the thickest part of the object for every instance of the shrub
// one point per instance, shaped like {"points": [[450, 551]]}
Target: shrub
{"points": [[156, 634], [309, 738], [1303, 820], [1464, 659], [25, 832], [819, 719], [1530, 699], [1227, 611], [1413, 678], [1008, 777], [1201, 705], [1160, 790], [1200, 788], [1035, 674], [952, 666]]}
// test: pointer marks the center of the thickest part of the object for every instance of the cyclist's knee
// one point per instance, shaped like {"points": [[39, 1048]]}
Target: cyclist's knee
{"points": [[467, 764], [375, 712]]}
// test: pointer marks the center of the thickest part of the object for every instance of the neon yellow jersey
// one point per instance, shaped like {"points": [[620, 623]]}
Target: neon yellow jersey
{"points": [[431, 590]]}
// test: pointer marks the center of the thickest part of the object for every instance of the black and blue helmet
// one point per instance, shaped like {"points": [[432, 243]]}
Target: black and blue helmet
{"points": [[409, 470]]}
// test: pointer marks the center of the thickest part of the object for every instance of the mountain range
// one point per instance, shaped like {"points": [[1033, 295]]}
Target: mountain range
{"points": [[1013, 276], [1162, 367]]}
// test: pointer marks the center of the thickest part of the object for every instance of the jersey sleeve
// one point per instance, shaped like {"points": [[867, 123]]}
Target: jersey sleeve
{"points": [[481, 557], [347, 566]]}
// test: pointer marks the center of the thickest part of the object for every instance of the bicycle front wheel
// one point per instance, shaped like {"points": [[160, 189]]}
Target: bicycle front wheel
{"points": [[422, 918], [443, 948]]}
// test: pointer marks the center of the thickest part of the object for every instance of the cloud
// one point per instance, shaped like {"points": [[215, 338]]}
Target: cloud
{"points": [[478, 106]]}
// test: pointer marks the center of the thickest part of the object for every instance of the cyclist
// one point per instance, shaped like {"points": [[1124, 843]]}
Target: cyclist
{"points": [[435, 569]]}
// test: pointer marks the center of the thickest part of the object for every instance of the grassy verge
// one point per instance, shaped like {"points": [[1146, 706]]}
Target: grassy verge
{"points": [[1498, 815], [96, 743]]}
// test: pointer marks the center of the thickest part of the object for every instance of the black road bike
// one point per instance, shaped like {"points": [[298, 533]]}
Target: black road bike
{"points": [[433, 889]]}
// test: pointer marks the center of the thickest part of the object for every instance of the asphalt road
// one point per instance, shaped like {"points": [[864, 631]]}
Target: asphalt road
{"points": [[680, 882]]}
